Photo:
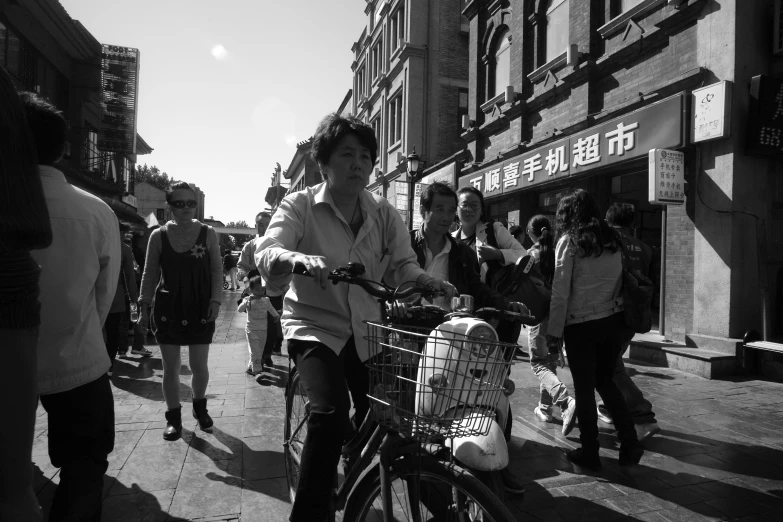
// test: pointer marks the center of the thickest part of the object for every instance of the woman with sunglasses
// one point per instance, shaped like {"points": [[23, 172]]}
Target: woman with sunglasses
{"points": [[184, 270]]}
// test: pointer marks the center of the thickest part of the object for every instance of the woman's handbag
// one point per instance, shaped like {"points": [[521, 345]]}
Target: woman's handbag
{"points": [[637, 292], [524, 282]]}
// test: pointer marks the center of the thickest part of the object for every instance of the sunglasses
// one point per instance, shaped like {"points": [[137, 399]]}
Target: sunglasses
{"points": [[180, 204]]}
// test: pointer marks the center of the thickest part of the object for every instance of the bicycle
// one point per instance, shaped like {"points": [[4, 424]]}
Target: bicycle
{"points": [[415, 467]]}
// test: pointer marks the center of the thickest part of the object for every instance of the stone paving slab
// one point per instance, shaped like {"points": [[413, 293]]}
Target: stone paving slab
{"points": [[719, 455]]}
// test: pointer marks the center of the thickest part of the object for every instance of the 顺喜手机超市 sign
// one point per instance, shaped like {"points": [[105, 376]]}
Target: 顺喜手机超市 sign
{"points": [[627, 137]]}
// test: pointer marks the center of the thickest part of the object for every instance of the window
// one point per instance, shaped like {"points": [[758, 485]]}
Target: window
{"points": [[91, 159], [377, 57], [397, 29], [360, 82], [502, 71], [395, 120], [376, 128], [625, 5], [556, 28], [462, 108]]}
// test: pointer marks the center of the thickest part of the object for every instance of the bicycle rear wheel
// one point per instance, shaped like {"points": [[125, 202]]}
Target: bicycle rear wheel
{"points": [[295, 430], [425, 489]]}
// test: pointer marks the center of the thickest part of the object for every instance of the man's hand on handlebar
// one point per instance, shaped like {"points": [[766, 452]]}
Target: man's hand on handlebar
{"points": [[447, 288], [520, 308], [316, 267]]}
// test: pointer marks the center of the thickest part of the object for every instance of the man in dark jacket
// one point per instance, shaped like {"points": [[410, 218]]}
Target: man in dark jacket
{"points": [[447, 259], [639, 254]]}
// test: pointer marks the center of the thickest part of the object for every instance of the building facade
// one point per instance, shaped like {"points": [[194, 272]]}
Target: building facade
{"points": [[47, 52], [152, 200], [411, 85], [576, 93]]}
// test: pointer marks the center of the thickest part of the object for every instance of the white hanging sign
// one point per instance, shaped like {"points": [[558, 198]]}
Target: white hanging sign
{"points": [[666, 177]]}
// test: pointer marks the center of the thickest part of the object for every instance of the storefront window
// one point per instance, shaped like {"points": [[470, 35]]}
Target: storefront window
{"points": [[502, 65], [556, 28], [395, 120]]}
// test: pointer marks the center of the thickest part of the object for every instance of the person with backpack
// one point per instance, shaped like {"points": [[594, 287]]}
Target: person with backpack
{"points": [[620, 216], [494, 246], [552, 391], [586, 312], [230, 266]]}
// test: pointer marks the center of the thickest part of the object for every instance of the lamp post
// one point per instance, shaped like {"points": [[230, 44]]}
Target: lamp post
{"points": [[413, 168]]}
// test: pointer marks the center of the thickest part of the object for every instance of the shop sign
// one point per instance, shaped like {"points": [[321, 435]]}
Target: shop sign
{"points": [[445, 175], [416, 213], [765, 116], [621, 139], [711, 112], [120, 84], [399, 198], [666, 184], [130, 200]]}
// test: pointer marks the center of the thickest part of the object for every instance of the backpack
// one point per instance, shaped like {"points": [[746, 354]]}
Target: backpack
{"points": [[496, 271], [524, 282], [637, 292]]}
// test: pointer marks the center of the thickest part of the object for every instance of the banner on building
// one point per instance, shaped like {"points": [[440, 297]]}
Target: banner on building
{"points": [[621, 139], [119, 100], [666, 184]]}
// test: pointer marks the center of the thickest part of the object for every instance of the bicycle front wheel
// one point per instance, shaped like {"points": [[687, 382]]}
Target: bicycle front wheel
{"points": [[424, 489], [295, 430]]}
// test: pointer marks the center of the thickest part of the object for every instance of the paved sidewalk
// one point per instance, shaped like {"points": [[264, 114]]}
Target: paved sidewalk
{"points": [[719, 455]]}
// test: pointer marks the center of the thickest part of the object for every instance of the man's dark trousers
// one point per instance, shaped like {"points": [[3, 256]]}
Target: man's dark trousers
{"points": [[81, 436]]}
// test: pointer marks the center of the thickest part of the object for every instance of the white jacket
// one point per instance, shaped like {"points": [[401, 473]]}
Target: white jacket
{"points": [[509, 247]]}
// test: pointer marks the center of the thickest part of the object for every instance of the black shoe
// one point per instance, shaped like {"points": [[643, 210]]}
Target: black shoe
{"points": [[201, 415], [631, 453], [511, 483], [584, 460], [173, 429]]}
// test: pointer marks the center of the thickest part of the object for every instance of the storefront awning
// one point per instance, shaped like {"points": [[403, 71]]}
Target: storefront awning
{"points": [[125, 212]]}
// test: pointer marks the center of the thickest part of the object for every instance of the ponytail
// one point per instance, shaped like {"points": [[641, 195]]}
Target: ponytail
{"points": [[542, 228]]}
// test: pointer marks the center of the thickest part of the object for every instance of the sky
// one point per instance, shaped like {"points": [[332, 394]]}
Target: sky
{"points": [[227, 89]]}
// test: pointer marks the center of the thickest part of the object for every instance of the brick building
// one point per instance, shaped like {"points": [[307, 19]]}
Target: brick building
{"points": [[47, 52], [411, 85], [575, 93]]}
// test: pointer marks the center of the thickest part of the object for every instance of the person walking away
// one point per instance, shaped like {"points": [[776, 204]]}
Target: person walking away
{"points": [[126, 285], [518, 233], [184, 270], [24, 226], [257, 306], [324, 227], [586, 313], [552, 391], [79, 274], [230, 266], [274, 339], [620, 216]]}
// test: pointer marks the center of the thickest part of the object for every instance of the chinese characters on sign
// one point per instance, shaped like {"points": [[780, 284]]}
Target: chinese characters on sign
{"points": [[621, 139], [417, 219], [120, 78], [666, 185], [711, 112]]}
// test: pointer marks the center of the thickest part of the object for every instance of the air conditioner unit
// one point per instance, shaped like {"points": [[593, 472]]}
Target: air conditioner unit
{"points": [[467, 123], [777, 34]]}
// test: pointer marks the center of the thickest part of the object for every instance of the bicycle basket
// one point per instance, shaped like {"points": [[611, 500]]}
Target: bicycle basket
{"points": [[435, 384]]}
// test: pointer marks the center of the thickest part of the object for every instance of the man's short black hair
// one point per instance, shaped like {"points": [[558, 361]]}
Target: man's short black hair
{"points": [[620, 215], [429, 192], [516, 230], [263, 213], [48, 126], [334, 128]]}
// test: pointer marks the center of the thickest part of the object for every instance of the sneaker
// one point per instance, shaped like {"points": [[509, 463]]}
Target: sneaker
{"points": [[569, 416], [583, 460], [511, 483], [603, 415], [647, 430], [141, 351], [542, 415]]}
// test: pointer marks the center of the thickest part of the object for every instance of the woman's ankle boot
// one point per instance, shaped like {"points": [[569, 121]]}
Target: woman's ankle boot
{"points": [[200, 413], [173, 424]]}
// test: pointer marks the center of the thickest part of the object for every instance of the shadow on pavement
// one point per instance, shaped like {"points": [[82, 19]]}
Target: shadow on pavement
{"points": [[131, 503]]}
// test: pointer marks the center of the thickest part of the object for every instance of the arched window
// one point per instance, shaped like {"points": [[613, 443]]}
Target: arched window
{"points": [[502, 76], [556, 28]]}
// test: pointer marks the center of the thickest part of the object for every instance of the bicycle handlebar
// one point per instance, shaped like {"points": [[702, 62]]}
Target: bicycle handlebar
{"points": [[506, 314], [350, 274]]}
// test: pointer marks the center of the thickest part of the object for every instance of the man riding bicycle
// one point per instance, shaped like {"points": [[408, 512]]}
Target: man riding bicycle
{"points": [[322, 227]]}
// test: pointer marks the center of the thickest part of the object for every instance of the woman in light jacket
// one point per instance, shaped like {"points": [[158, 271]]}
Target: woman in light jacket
{"points": [[586, 313]]}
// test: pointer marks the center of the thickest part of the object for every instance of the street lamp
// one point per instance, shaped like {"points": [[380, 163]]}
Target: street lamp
{"points": [[413, 168]]}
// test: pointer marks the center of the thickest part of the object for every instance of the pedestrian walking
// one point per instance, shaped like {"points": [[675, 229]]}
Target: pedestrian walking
{"points": [[620, 216], [116, 335], [230, 266], [24, 226], [183, 269], [274, 339], [257, 306], [79, 274], [586, 313], [552, 391]]}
